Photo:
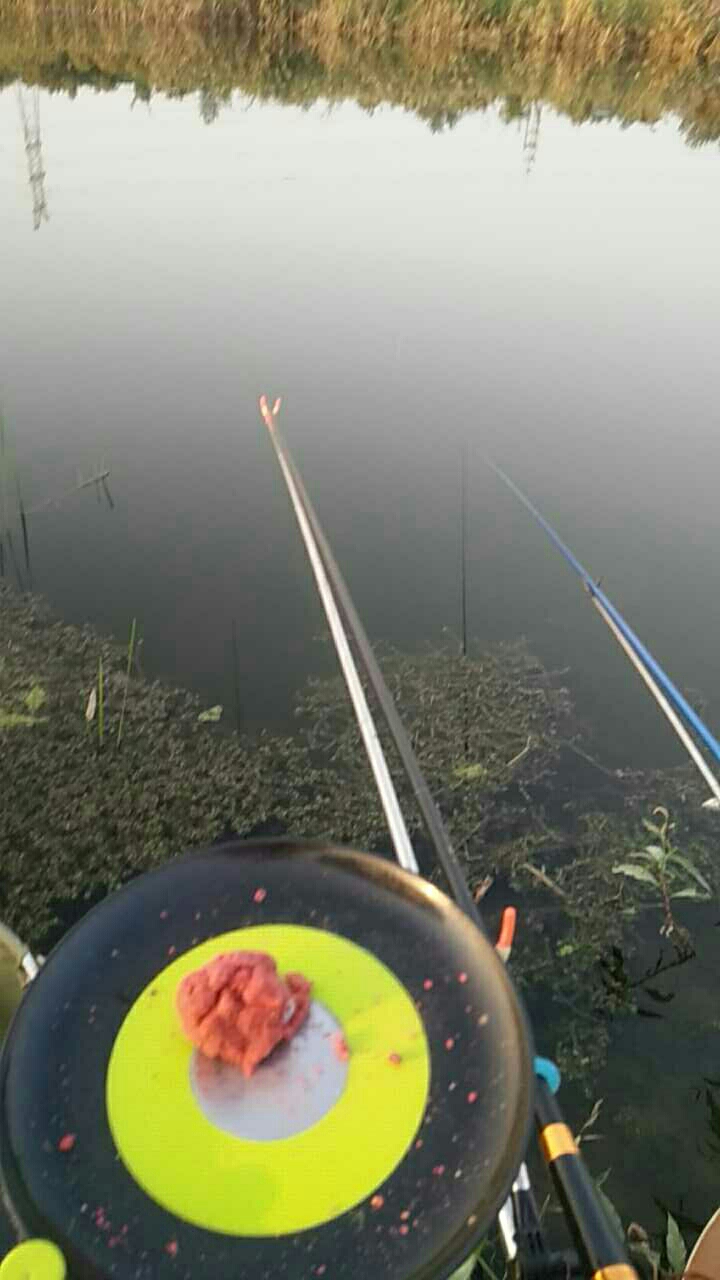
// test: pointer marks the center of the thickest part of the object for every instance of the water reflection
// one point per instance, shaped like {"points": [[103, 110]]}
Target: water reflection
{"points": [[29, 108], [634, 62]]}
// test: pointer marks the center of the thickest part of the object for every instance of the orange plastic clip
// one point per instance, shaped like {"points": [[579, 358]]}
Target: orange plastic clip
{"points": [[503, 946]]}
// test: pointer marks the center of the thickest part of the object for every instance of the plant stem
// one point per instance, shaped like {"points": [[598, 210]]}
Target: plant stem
{"points": [[101, 703], [130, 652]]}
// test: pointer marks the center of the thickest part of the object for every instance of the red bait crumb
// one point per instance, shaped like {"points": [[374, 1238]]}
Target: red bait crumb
{"points": [[404, 1215], [67, 1142], [320, 1271], [462, 977], [395, 1059], [449, 1043], [171, 951], [164, 915], [340, 1047], [428, 984], [377, 1202], [259, 896], [171, 1248], [472, 1096], [418, 1144], [114, 1241], [403, 1228], [439, 1170]]}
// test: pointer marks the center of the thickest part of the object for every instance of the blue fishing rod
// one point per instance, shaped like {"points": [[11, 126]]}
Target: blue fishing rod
{"points": [[665, 692]]}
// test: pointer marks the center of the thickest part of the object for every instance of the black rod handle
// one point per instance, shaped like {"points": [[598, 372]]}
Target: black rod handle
{"points": [[595, 1239]]}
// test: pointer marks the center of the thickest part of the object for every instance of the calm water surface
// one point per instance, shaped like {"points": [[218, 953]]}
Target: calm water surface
{"points": [[403, 291]]}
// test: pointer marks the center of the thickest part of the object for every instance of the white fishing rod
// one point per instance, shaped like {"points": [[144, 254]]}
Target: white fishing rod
{"points": [[388, 796]]}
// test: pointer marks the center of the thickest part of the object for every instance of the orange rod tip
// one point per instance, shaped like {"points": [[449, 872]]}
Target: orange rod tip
{"points": [[507, 930]]}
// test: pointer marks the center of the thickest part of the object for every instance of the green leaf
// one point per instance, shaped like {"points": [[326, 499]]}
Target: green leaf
{"points": [[611, 1212], [635, 873], [35, 698], [566, 949], [687, 865], [465, 1271], [690, 893], [211, 716], [675, 1247], [16, 720], [470, 772], [651, 827]]}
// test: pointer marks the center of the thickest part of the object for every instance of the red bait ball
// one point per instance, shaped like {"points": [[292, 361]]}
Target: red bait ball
{"points": [[67, 1142], [237, 1007]]}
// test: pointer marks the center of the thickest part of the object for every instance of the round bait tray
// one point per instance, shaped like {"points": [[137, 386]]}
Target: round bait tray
{"points": [[141, 1159]]}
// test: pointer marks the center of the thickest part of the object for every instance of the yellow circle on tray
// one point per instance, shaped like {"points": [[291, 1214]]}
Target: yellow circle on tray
{"points": [[33, 1260], [242, 1187]]}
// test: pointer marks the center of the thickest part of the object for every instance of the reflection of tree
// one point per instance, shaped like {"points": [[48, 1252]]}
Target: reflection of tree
{"points": [[209, 106], [211, 103]]}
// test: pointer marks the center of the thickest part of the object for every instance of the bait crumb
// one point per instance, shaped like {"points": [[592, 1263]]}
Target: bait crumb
{"points": [[472, 1220], [438, 1170], [483, 1019], [164, 915], [462, 978], [404, 1215], [418, 1144], [67, 1142], [171, 1248], [428, 984], [377, 1202], [340, 1047], [403, 1228], [321, 1269], [472, 1096], [449, 1043], [259, 896], [395, 1059], [171, 951]]}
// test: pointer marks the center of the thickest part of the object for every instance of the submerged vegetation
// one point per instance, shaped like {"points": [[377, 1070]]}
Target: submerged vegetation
{"points": [[106, 774], [636, 60]]}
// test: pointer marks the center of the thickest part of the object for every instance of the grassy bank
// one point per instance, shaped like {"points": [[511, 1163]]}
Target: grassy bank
{"points": [[636, 60]]}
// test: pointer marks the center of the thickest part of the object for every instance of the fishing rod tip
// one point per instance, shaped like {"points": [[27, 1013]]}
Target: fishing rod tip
{"points": [[267, 414]]}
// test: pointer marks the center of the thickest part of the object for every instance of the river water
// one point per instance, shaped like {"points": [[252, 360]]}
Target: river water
{"points": [[551, 302]]}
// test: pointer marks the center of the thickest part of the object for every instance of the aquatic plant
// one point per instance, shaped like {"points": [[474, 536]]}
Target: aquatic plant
{"points": [[672, 875]]}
